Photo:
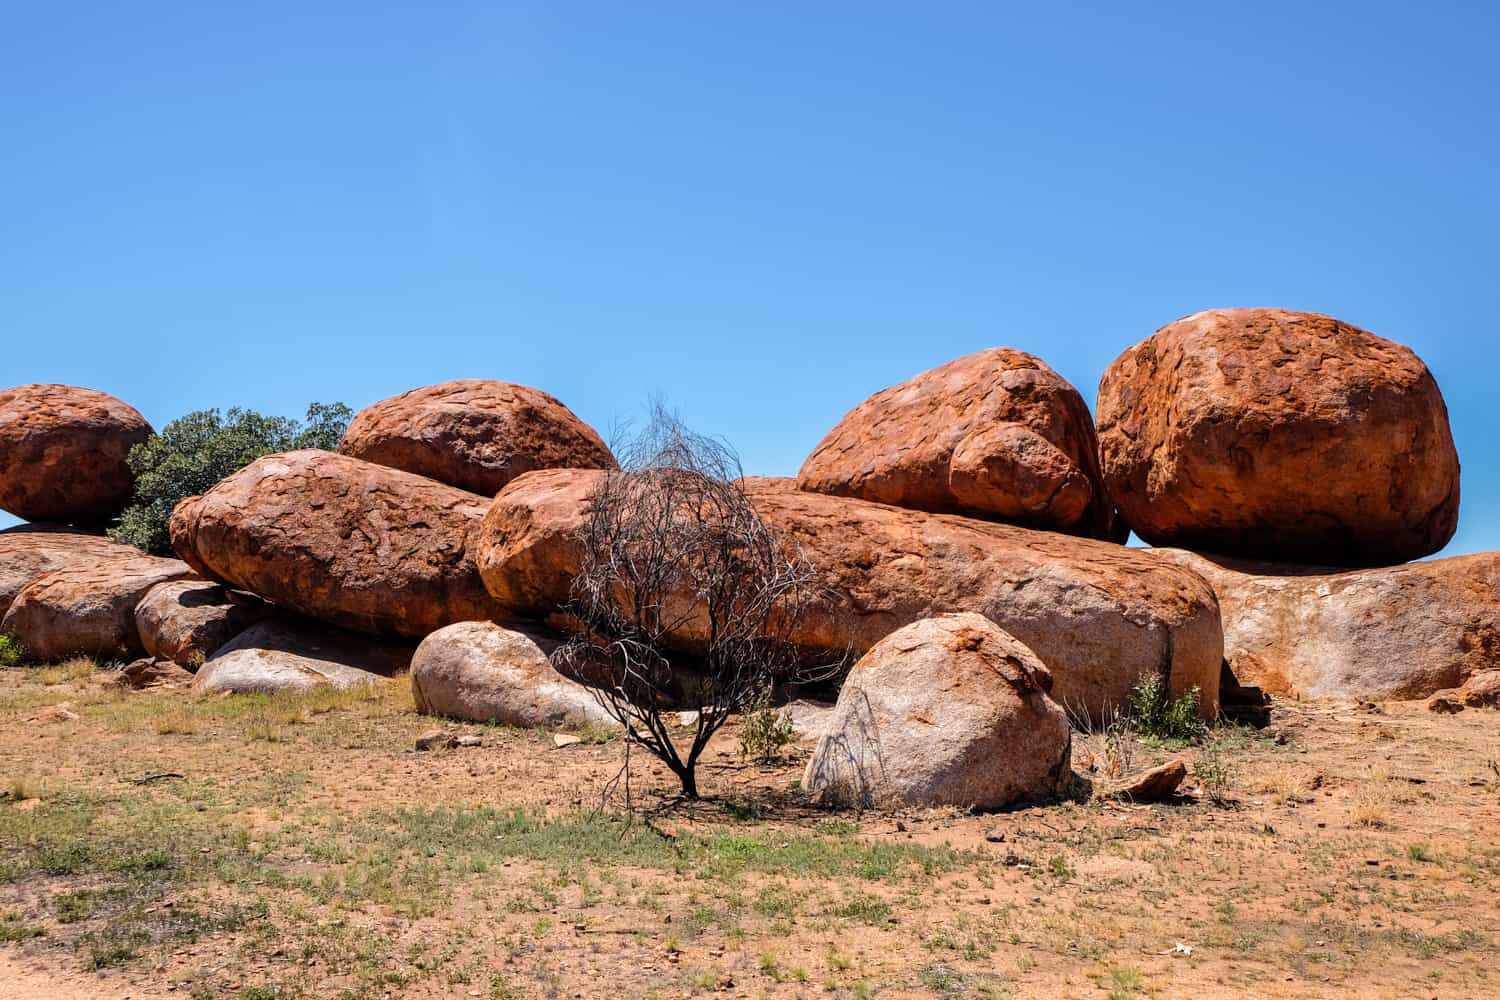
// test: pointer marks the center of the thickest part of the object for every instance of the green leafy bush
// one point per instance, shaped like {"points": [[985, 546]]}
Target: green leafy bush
{"points": [[192, 453], [1159, 717], [10, 651], [765, 733]]}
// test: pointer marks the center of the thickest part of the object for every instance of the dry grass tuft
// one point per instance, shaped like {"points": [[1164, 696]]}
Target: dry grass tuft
{"points": [[75, 669]]}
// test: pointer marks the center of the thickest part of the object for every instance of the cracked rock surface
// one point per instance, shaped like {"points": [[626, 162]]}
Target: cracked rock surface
{"points": [[345, 541]]}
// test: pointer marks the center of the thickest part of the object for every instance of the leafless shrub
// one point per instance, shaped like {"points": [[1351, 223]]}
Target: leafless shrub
{"points": [[683, 594]]}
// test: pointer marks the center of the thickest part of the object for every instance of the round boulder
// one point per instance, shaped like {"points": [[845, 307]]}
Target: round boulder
{"points": [[62, 453], [186, 621], [484, 672], [948, 711], [1281, 436], [995, 435], [474, 434]]}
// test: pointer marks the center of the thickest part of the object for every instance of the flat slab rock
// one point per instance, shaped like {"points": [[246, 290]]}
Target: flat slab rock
{"points": [[284, 654], [345, 541], [62, 453], [1099, 615], [86, 607], [996, 434], [1279, 435], [474, 434], [951, 711], [29, 550], [1393, 633], [484, 672]]}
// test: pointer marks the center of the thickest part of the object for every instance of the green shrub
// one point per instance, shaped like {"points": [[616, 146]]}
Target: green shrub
{"points": [[1161, 718], [10, 651], [192, 453], [766, 732]]}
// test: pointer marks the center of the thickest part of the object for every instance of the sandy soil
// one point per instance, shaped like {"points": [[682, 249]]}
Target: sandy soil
{"points": [[298, 854]]}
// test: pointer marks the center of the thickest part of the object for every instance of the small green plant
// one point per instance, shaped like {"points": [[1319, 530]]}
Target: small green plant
{"points": [[765, 733], [1160, 717], [1420, 852], [1124, 983], [1215, 774], [10, 651], [12, 929], [1061, 869]]}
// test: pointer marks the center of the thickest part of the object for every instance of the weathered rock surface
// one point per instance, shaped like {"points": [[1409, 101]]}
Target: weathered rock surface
{"points": [[87, 607], [29, 550], [474, 434], [187, 620], [486, 672], [1399, 632], [1279, 435], [1482, 690], [1099, 615], [996, 434], [62, 453], [950, 710], [288, 654], [348, 542]]}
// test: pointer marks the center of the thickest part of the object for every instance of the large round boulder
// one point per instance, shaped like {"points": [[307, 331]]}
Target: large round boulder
{"points": [[996, 435], [87, 607], [1099, 615], [1383, 633], [62, 453], [947, 711], [474, 434], [289, 654], [484, 672], [349, 542], [1279, 435], [186, 621]]}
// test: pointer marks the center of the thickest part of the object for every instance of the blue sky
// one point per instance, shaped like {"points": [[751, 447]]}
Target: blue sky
{"points": [[763, 212]]}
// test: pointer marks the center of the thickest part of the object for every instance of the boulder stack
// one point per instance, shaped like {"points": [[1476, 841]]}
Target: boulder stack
{"points": [[62, 453], [345, 541], [474, 434], [948, 711], [1099, 615], [87, 606], [996, 435], [1279, 436]]}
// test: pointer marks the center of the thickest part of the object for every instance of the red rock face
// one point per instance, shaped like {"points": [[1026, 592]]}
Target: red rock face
{"points": [[1279, 435], [345, 541], [1388, 632], [1099, 615], [87, 607], [475, 434], [995, 435], [62, 453]]}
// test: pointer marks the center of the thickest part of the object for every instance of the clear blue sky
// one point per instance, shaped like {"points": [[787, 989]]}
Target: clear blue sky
{"points": [[764, 212]]}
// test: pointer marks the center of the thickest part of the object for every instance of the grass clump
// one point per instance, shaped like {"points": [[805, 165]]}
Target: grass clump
{"points": [[1163, 719]]}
